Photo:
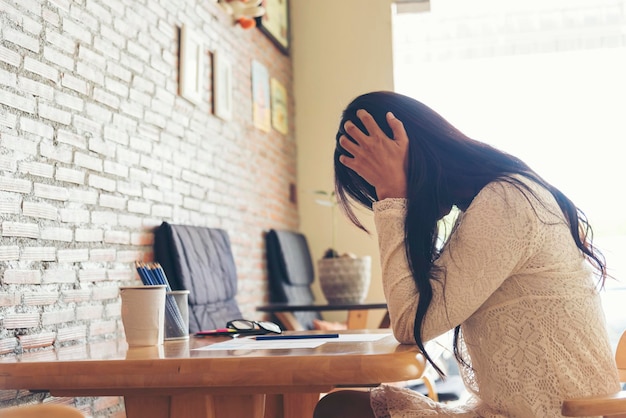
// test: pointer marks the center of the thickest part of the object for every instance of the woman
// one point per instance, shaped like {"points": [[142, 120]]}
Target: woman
{"points": [[514, 279]]}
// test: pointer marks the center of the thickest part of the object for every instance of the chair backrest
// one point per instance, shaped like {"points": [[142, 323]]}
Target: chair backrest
{"points": [[291, 273], [199, 259]]}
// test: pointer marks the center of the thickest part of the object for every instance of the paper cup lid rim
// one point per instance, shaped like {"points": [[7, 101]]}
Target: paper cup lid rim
{"points": [[147, 286]]}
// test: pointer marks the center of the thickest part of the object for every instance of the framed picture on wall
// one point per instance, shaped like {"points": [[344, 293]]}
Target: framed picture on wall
{"points": [[222, 86], [275, 23], [261, 111], [279, 107], [190, 64]]}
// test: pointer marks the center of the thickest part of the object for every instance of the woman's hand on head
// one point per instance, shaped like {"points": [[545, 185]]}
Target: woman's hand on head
{"points": [[378, 159]]}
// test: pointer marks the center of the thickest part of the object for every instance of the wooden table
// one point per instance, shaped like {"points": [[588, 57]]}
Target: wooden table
{"points": [[173, 380], [357, 313]]}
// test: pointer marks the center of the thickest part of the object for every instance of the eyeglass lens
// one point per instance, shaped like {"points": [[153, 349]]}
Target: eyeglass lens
{"points": [[241, 324], [244, 324], [270, 326]]}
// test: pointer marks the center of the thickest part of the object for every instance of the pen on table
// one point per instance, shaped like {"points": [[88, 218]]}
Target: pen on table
{"points": [[218, 331], [295, 337]]}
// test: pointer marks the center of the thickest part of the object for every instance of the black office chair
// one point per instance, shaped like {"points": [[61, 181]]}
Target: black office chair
{"points": [[291, 273], [199, 259]]}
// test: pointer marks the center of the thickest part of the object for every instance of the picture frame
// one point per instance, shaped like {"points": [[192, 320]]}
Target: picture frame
{"points": [[280, 120], [261, 112], [275, 23], [222, 86], [191, 63]]}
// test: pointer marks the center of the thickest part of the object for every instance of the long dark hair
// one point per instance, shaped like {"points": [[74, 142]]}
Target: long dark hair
{"points": [[441, 162]]}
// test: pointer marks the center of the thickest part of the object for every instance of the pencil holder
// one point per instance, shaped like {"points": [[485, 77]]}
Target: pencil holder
{"points": [[177, 315]]}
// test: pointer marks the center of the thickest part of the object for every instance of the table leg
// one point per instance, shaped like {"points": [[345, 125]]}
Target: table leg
{"points": [[273, 406], [147, 406], [234, 406], [299, 405]]}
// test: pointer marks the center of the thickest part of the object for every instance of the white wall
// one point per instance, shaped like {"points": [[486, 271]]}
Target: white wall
{"points": [[341, 48]]}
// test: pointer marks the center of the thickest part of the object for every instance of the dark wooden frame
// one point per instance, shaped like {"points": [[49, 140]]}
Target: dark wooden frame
{"points": [[281, 42]]}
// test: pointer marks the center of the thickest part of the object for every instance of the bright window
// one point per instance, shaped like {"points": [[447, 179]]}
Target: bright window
{"points": [[546, 85]]}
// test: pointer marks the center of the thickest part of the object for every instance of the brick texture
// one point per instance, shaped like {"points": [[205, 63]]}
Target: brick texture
{"points": [[97, 148]]}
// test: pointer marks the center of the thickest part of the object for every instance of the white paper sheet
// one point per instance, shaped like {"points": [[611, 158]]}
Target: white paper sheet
{"points": [[249, 343]]}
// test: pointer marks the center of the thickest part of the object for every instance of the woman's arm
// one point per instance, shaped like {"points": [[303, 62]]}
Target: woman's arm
{"points": [[492, 240]]}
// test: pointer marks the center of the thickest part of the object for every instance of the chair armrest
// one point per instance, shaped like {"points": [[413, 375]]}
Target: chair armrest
{"points": [[289, 321], [613, 405]]}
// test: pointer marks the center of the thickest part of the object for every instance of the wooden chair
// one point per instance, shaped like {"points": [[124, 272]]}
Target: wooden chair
{"points": [[613, 405], [40, 411]]}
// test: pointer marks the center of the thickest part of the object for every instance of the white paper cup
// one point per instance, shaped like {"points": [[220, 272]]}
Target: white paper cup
{"points": [[143, 314]]}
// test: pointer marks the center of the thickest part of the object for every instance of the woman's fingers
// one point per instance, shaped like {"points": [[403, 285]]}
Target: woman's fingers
{"points": [[352, 148], [378, 159], [355, 133], [370, 124], [348, 145], [373, 130], [397, 127], [349, 162]]}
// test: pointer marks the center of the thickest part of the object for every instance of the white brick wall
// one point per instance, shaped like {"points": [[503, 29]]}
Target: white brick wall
{"points": [[97, 148]]}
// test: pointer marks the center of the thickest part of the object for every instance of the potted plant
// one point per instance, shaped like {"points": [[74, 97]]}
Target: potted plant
{"points": [[344, 279]]}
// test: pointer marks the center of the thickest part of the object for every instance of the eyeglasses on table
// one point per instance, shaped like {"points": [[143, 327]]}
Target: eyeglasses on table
{"points": [[249, 327]]}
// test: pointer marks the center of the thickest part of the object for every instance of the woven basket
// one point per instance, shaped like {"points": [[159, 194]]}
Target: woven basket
{"points": [[345, 279]]}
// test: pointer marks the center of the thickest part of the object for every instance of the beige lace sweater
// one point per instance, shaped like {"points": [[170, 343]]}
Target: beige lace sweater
{"points": [[532, 323]]}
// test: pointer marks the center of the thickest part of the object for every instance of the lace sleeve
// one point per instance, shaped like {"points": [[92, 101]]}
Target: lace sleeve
{"points": [[389, 204], [489, 243], [398, 286]]}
